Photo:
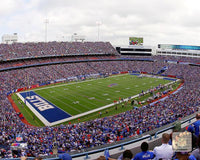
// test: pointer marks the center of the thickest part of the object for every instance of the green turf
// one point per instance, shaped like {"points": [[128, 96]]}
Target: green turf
{"points": [[117, 108], [28, 114], [79, 97]]}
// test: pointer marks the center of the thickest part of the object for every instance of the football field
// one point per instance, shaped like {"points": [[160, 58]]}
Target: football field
{"points": [[78, 97]]}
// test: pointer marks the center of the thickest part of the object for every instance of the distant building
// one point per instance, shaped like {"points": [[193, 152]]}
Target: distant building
{"points": [[178, 50], [9, 38]]}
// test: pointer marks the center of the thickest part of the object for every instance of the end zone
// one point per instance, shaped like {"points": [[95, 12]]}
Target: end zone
{"points": [[47, 112]]}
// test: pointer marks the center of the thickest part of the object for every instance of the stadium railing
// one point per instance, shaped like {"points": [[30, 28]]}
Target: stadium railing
{"points": [[121, 145], [148, 136]]}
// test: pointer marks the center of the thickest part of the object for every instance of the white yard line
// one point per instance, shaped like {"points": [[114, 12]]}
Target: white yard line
{"points": [[94, 110], [104, 107], [74, 83]]}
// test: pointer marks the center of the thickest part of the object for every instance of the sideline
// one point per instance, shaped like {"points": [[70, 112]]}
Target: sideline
{"points": [[103, 107], [17, 110]]}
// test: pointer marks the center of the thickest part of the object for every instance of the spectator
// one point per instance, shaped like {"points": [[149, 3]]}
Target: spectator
{"points": [[127, 154], [101, 158], [196, 125], [165, 150], [145, 154], [104, 158], [196, 152], [190, 128], [184, 156]]}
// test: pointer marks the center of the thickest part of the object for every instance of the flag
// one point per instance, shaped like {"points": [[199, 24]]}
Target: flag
{"points": [[106, 154], [19, 138]]}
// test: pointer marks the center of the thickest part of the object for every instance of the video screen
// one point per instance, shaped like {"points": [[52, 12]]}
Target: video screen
{"points": [[136, 41]]}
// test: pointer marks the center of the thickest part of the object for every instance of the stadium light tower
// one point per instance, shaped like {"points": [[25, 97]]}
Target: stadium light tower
{"points": [[98, 27], [46, 22]]}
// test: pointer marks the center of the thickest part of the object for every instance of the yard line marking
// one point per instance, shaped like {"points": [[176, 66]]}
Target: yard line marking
{"points": [[76, 102], [73, 83], [91, 98]]}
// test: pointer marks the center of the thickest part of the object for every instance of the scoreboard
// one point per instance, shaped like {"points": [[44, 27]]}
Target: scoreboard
{"points": [[138, 41]]}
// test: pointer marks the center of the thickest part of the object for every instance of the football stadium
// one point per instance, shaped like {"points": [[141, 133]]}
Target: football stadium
{"points": [[90, 99], [91, 103]]}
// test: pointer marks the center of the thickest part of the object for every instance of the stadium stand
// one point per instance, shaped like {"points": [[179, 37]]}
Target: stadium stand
{"points": [[102, 131], [21, 50]]}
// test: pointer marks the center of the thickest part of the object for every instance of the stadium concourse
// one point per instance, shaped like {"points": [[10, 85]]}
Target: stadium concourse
{"points": [[78, 137]]}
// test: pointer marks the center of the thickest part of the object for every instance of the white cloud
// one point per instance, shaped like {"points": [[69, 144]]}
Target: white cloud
{"points": [[157, 21]]}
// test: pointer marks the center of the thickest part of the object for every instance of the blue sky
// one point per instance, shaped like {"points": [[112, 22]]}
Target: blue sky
{"points": [[158, 21]]}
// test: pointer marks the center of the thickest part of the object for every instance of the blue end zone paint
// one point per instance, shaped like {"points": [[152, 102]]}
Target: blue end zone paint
{"points": [[170, 79], [46, 109], [136, 74], [154, 76]]}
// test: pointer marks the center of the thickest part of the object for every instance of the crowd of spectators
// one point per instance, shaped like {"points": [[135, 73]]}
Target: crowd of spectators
{"points": [[165, 151], [20, 50], [18, 78], [24, 62], [167, 58], [97, 132]]}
